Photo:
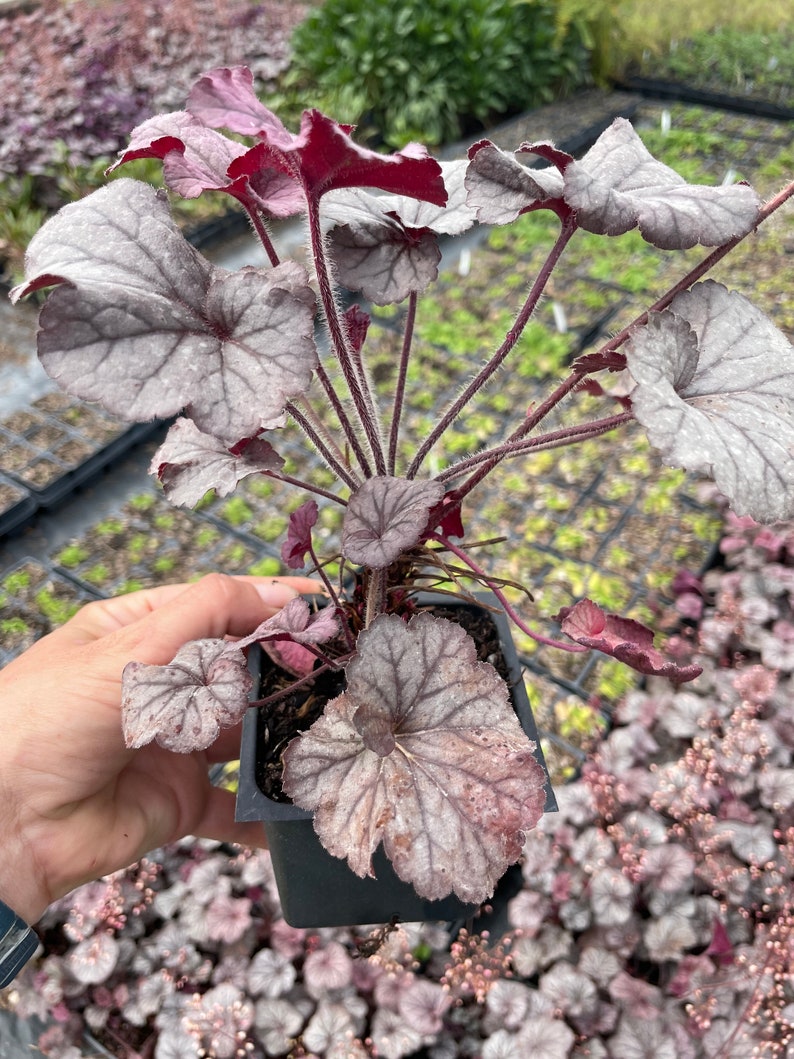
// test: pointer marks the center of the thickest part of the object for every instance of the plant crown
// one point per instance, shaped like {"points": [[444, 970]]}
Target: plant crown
{"points": [[141, 322]]}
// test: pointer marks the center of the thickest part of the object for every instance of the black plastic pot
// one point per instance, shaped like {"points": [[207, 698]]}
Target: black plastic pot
{"points": [[317, 889]]}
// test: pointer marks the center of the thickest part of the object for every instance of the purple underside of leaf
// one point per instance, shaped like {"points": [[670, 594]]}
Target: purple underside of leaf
{"points": [[184, 705], [299, 534], [424, 753], [143, 324], [715, 393], [627, 640], [189, 463], [385, 517], [618, 185], [225, 98], [297, 622], [500, 187]]}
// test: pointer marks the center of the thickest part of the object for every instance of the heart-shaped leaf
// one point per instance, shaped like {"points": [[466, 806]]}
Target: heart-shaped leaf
{"points": [[618, 185], [189, 463], [384, 245], [299, 534], [424, 753], [715, 393], [146, 326], [184, 705], [383, 259], [385, 517], [624, 639]]}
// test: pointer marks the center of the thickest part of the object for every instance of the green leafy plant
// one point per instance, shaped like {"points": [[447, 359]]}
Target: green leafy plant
{"points": [[433, 69]]}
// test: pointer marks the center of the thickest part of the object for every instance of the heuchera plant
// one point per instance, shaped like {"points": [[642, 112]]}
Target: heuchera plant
{"points": [[421, 751]]}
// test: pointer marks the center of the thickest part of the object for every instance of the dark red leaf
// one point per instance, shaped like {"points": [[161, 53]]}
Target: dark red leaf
{"points": [[624, 639]]}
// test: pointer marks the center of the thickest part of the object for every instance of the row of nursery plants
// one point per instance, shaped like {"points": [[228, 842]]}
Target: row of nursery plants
{"points": [[654, 914], [76, 77]]}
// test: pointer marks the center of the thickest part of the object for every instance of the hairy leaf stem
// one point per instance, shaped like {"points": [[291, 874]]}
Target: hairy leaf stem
{"points": [[493, 585], [263, 234], [358, 386], [325, 445], [520, 446], [567, 229], [402, 375]]}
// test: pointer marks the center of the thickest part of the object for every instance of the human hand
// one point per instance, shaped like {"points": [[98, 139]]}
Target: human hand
{"points": [[75, 803]]}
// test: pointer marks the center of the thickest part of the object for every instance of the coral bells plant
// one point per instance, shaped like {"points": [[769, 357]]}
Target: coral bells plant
{"points": [[138, 320]]}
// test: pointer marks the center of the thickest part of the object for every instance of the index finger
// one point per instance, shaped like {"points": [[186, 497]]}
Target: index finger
{"points": [[225, 603]]}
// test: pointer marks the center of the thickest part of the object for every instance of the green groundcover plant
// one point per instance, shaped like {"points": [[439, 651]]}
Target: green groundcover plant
{"points": [[139, 321]]}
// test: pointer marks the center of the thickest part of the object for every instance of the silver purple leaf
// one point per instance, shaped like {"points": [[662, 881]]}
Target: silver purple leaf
{"points": [[383, 260], [142, 323], [385, 517], [184, 705], [423, 753], [715, 393], [454, 218], [500, 187], [195, 158], [297, 622], [618, 185], [189, 463]]}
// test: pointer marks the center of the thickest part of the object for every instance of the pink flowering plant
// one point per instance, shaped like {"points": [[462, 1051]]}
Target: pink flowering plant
{"points": [[655, 916], [141, 322]]}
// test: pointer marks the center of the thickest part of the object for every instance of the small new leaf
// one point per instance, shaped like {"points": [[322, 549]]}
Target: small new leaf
{"points": [[627, 640], [385, 517], [189, 463], [296, 622], [184, 705], [715, 393], [424, 733], [299, 534]]}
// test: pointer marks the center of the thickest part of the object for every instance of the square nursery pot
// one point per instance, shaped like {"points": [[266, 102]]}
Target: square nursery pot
{"points": [[319, 890]]}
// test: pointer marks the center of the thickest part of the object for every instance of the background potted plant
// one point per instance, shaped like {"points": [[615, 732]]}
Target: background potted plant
{"points": [[421, 750]]}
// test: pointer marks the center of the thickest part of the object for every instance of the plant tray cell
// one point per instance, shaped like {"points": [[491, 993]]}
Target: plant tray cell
{"points": [[34, 599], [17, 507]]}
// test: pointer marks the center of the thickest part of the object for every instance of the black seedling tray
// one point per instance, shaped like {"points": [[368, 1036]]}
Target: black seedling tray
{"points": [[17, 506], [34, 599], [51, 448]]}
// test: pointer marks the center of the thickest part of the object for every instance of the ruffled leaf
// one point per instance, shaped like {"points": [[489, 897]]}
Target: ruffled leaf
{"points": [[500, 187], [142, 323], [189, 463], [618, 185], [385, 517], [715, 393], [423, 753], [184, 705], [296, 622], [627, 640], [322, 156], [299, 534], [196, 158]]}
